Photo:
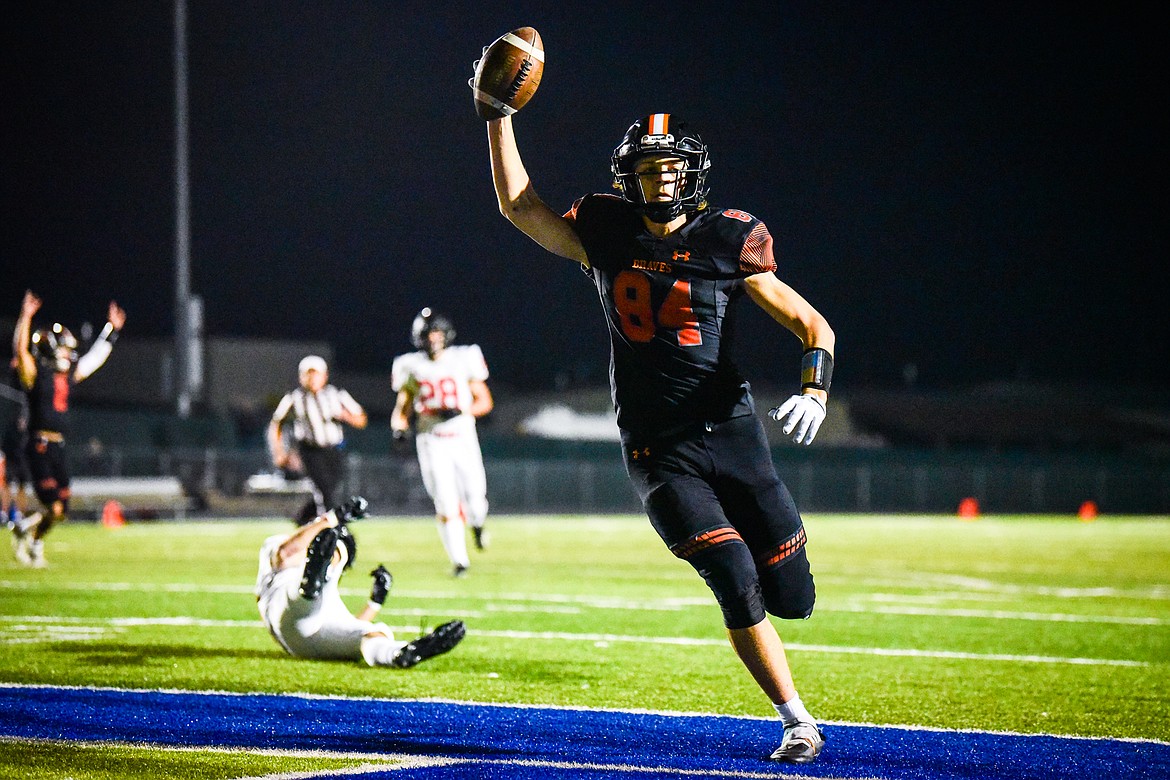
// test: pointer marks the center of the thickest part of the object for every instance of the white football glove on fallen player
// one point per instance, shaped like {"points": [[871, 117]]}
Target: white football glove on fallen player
{"points": [[801, 416]]}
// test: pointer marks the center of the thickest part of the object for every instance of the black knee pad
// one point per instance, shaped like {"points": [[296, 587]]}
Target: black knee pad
{"points": [[788, 588], [730, 573]]}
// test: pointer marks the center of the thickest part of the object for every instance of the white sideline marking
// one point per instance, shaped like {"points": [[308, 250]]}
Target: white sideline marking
{"points": [[353, 771], [664, 771], [559, 635], [394, 762], [656, 771], [577, 708]]}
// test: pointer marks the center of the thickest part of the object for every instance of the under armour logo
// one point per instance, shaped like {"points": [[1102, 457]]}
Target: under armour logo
{"points": [[642, 453], [681, 254]]}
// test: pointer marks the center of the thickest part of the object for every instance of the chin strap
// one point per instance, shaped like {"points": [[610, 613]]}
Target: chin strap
{"points": [[661, 213]]}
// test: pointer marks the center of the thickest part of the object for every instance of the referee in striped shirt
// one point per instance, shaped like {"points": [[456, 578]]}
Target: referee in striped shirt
{"points": [[318, 410]]}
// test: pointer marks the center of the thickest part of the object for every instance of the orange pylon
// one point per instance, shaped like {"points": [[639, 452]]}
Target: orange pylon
{"points": [[112, 516]]}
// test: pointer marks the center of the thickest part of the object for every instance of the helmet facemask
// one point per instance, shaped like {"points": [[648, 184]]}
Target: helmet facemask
{"points": [[657, 137]]}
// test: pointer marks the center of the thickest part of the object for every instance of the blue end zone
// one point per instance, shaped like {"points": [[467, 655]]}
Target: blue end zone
{"points": [[499, 739]]}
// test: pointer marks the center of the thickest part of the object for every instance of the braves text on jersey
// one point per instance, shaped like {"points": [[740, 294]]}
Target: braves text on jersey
{"points": [[667, 302]]}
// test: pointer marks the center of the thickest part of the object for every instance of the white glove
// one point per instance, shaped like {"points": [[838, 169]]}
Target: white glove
{"points": [[802, 416]]}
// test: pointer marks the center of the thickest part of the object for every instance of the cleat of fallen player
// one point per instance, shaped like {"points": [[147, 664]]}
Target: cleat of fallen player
{"points": [[439, 641]]}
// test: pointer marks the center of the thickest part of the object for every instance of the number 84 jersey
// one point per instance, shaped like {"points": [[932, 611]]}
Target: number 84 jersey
{"points": [[440, 385], [667, 303]]}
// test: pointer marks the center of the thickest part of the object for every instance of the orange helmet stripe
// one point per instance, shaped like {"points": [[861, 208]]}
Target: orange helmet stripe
{"points": [[659, 123]]}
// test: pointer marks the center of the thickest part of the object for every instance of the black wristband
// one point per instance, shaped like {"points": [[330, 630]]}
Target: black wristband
{"points": [[816, 369]]}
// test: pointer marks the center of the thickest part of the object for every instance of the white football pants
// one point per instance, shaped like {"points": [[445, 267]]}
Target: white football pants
{"points": [[452, 471]]}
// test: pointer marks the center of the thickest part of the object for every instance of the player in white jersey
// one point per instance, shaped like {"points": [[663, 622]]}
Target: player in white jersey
{"points": [[298, 598], [443, 389]]}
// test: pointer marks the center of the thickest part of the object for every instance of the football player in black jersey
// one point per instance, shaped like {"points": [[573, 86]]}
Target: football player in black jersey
{"points": [[15, 487], [48, 368], [668, 268]]}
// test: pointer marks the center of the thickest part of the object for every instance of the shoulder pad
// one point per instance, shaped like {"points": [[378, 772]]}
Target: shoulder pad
{"points": [[602, 202], [606, 214], [742, 216]]}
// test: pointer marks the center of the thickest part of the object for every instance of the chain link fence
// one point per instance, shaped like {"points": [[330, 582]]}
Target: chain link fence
{"points": [[831, 481]]}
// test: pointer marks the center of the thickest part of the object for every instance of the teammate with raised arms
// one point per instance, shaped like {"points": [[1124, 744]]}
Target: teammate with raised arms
{"points": [[49, 367]]}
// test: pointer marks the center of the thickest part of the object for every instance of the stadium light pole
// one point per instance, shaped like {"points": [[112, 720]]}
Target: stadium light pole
{"points": [[182, 356]]}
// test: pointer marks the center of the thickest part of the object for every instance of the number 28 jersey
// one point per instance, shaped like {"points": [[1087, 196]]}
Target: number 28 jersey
{"points": [[440, 385], [667, 303]]}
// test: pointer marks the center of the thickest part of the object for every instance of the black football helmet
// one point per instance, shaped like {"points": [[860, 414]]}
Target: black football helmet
{"points": [[47, 343], [662, 135], [426, 321]]}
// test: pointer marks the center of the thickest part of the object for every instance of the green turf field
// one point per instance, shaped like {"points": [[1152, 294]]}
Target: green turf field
{"points": [[1035, 625]]}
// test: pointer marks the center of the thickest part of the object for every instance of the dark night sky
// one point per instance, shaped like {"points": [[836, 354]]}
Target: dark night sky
{"points": [[969, 189]]}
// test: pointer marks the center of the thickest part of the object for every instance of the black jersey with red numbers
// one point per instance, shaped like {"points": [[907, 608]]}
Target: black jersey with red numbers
{"points": [[48, 402], [667, 302]]}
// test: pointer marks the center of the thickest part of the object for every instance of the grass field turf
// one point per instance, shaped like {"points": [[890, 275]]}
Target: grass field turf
{"points": [[1033, 625]]}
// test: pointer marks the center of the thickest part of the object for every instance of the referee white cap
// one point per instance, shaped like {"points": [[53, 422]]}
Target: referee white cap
{"points": [[312, 363]]}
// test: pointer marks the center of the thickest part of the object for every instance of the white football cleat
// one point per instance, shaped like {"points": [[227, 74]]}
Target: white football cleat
{"points": [[802, 743], [20, 548], [36, 554]]}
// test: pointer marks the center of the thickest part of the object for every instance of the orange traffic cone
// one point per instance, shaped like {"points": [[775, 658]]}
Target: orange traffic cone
{"points": [[969, 508], [1088, 512], [112, 516]]}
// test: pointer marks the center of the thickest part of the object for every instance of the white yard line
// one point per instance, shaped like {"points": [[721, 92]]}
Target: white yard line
{"points": [[928, 581], [56, 628], [563, 603], [998, 614], [696, 642], [552, 603]]}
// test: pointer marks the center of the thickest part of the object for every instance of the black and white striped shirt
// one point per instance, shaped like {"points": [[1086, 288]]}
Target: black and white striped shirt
{"points": [[315, 414]]}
